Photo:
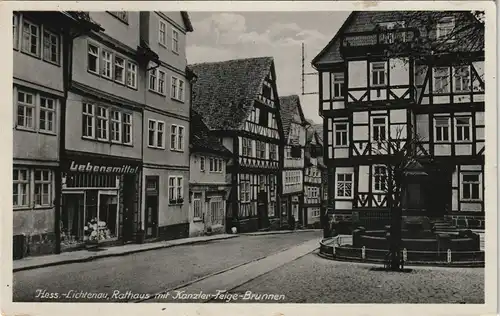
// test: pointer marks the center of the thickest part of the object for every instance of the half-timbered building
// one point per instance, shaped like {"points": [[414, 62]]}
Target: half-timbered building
{"points": [[238, 101], [292, 197], [377, 87], [314, 191], [209, 184]]}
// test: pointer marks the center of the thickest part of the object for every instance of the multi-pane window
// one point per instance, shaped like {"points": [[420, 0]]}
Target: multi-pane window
{"points": [[162, 33], [378, 73], [88, 120], [161, 81], [175, 189], [462, 82], [93, 58], [107, 64], [441, 80], [119, 69], [344, 184], [338, 85], [273, 152], [379, 129], [390, 34], [102, 123], [341, 138], [116, 126], [175, 41], [127, 128], [215, 164], [177, 137], [31, 38], [441, 129], [177, 89], [152, 79], [197, 205], [20, 188], [244, 188], [131, 75], [379, 178], [157, 80], [25, 109], [47, 114], [471, 186], [463, 129], [202, 163], [445, 27], [261, 149], [14, 30], [156, 131], [43, 187], [246, 147], [315, 212], [50, 47]]}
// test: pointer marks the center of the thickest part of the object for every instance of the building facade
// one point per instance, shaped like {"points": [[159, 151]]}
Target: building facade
{"points": [[167, 93], [375, 89], [294, 132], [41, 41], [102, 160], [209, 184], [238, 101], [315, 193]]}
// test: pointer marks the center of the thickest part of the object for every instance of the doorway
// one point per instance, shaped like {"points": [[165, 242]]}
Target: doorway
{"points": [[72, 219], [107, 215], [151, 212], [438, 193]]}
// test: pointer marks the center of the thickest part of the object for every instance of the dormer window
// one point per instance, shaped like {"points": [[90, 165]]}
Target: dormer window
{"points": [[388, 36], [445, 27]]}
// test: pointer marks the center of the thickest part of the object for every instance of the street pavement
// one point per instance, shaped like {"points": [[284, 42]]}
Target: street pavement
{"points": [[146, 272], [312, 279]]}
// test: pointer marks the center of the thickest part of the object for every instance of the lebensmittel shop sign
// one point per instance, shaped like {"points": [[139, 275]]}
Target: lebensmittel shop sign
{"points": [[101, 166]]}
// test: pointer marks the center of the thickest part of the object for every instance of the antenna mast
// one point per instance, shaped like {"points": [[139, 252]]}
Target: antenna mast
{"points": [[304, 74]]}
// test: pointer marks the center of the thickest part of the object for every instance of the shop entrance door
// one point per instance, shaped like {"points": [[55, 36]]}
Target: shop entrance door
{"points": [[108, 215], [151, 213], [72, 218]]}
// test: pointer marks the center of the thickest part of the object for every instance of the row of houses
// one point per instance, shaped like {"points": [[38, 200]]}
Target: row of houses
{"points": [[117, 139]]}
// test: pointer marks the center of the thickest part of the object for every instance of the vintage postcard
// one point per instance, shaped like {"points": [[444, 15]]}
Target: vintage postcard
{"points": [[299, 157]]}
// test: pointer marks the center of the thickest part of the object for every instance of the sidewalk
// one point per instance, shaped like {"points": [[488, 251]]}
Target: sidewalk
{"points": [[277, 232], [86, 255]]}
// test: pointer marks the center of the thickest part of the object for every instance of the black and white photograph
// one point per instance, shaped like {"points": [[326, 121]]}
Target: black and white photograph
{"points": [[205, 153]]}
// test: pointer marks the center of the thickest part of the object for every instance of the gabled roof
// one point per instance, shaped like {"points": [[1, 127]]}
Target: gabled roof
{"points": [[187, 21], [201, 140], [224, 92], [362, 21], [288, 107]]}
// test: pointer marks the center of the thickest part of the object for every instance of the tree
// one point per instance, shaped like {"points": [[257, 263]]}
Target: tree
{"points": [[403, 154]]}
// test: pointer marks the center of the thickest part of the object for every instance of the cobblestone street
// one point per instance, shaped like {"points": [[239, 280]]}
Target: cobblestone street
{"points": [[312, 279], [151, 271]]}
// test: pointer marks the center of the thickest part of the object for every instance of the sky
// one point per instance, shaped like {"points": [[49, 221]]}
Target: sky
{"points": [[222, 36]]}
